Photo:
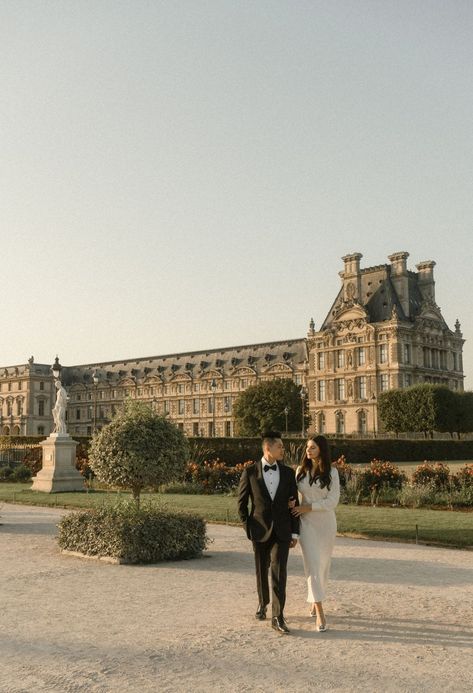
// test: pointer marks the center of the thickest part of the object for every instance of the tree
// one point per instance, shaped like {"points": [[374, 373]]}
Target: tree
{"points": [[262, 406], [138, 449], [392, 411]]}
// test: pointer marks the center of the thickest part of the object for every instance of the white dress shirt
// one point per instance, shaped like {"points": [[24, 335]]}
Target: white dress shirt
{"points": [[271, 478]]}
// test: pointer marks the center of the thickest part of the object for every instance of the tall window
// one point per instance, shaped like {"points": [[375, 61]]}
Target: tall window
{"points": [[166, 406], [181, 405], [361, 356], [228, 429], [455, 360], [340, 388], [210, 407], [340, 358], [321, 360], [41, 385], [384, 382], [321, 422], [227, 404], [339, 422], [195, 406], [407, 353], [41, 407], [40, 430], [195, 428], [19, 407], [383, 353], [9, 408], [321, 390], [407, 380], [77, 414], [362, 422], [362, 387]]}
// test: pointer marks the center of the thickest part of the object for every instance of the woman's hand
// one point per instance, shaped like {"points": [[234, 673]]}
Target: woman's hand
{"points": [[291, 503], [299, 510]]}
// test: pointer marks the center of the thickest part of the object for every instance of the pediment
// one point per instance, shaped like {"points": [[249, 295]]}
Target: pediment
{"points": [[126, 382], [279, 368], [353, 312], [244, 370]]}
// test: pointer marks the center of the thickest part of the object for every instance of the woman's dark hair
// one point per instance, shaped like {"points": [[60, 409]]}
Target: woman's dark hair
{"points": [[325, 463]]}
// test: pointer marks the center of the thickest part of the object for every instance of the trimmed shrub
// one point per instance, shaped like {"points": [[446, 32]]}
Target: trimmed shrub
{"points": [[6, 473], [134, 534], [426, 473], [21, 473], [138, 449]]}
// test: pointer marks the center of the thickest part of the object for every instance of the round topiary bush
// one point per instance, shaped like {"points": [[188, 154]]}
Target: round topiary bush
{"points": [[138, 449]]}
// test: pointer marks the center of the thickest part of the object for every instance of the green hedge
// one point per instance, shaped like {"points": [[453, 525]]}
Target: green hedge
{"points": [[233, 451], [134, 535]]}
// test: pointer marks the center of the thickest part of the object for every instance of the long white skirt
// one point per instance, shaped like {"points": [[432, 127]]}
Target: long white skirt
{"points": [[317, 538]]}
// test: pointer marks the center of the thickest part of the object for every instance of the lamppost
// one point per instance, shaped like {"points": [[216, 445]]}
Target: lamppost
{"points": [[303, 396], [373, 399], [56, 369], [213, 387], [95, 379], [286, 412]]}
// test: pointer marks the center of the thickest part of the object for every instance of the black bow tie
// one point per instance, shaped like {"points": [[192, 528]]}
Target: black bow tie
{"points": [[270, 466]]}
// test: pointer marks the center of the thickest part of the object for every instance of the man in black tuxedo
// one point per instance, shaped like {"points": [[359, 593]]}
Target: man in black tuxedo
{"points": [[269, 485]]}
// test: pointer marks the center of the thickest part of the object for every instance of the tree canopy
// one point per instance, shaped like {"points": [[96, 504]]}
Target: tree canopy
{"points": [[426, 408], [262, 406]]}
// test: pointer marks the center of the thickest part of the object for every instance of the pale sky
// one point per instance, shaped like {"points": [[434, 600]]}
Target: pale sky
{"points": [[183, 175]]}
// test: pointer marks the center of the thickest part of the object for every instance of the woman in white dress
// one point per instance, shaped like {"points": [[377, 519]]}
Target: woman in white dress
{"points": [[319, 492]]}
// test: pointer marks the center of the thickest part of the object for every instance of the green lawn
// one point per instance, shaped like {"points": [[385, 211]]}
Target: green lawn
{"points": [[452, 528]]}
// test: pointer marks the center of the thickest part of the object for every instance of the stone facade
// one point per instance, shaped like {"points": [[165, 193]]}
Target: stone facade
{"points": [[384, 330]]}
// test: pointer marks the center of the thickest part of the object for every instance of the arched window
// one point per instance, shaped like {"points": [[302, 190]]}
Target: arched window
{"points": [[6, 430], [339, 422], [16, 431], [362, 421], [321, 422]]}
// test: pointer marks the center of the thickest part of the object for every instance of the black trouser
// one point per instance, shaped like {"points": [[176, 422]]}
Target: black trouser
{"points": [[272, 552]]}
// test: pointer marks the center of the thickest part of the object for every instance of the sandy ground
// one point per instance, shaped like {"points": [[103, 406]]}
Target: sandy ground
{"points": [[400, 617]]}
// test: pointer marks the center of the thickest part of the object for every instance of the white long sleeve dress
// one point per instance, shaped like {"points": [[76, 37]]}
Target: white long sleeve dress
{"points": [[317, 532]]}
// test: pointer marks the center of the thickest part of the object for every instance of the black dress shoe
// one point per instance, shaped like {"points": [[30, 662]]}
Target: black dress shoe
{"points": [[261, 612], [279, 624]]}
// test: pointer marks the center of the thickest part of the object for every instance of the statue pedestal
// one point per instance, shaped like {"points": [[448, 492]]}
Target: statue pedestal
{"points": [[58, 472]]}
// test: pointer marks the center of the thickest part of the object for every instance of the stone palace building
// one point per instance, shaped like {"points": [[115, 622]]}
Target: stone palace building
{"points": [[384, 330]]}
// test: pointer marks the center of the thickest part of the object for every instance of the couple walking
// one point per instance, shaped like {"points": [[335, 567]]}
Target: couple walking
{"points": [[287, 507]]}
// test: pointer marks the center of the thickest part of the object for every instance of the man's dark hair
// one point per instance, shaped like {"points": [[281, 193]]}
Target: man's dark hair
{"points": [[270, 437]]}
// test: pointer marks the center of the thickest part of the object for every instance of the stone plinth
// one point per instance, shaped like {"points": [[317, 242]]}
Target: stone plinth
{"points": [[58, 472]]}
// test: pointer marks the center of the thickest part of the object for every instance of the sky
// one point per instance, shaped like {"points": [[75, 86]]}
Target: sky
{"points": [[184, 175]]}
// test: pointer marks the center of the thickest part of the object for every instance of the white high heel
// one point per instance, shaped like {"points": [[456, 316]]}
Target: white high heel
{"points": [[321, 628]]}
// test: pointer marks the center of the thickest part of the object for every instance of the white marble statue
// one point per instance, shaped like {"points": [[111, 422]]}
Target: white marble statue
{"points": [[59, 409]]}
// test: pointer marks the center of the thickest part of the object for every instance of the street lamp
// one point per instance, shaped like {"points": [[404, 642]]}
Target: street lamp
{"points": [[95, 379], [373, 399], [56, 368], [213, 387], [303, 396], [286, 412]]}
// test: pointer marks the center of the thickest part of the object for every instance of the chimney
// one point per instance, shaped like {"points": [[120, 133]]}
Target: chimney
{"points": [[351, 277], [425, 279], [400, 279]]}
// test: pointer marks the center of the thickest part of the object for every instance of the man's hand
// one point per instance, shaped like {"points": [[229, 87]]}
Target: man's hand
{"points": [[292, 543]]}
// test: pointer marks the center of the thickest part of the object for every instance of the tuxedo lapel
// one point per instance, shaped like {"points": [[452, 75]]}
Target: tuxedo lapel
{"points": [[282, 480]]}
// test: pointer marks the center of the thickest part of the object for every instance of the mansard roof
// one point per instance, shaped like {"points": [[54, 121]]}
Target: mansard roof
{"points": [[226, 360], [379, 298]]}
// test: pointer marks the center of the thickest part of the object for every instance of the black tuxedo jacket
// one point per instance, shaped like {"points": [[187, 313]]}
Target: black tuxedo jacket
{"points": [[266, 514]]}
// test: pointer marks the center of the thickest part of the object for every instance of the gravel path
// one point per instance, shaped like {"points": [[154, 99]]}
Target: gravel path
{"points": [[400, 617]]}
